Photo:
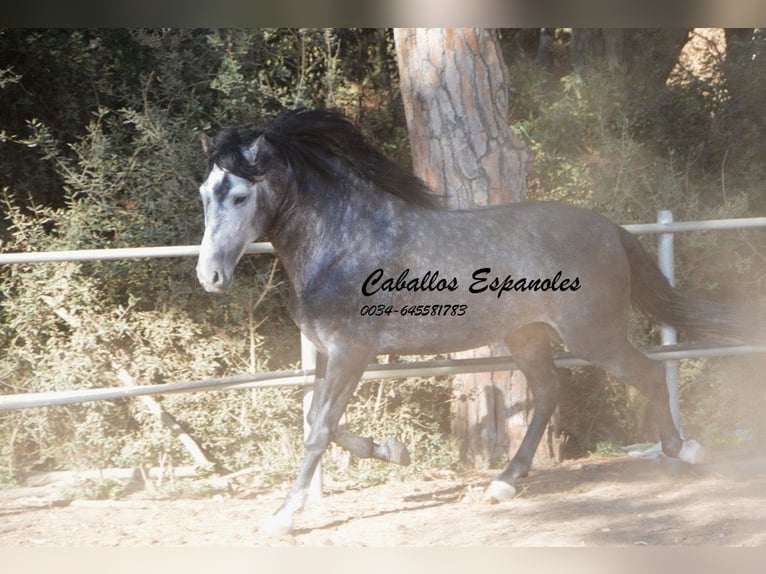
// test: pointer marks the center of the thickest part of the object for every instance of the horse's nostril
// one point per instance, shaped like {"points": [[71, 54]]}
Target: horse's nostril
{"points": [[216, 278]]}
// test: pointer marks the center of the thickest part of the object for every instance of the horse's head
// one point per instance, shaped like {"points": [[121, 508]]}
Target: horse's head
{"points": [[259, 178], [239, 197]]}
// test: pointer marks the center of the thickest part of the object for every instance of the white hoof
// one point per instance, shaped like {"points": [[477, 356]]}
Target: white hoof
{"points": [[498, 491], [694, 453], [276, 525]]}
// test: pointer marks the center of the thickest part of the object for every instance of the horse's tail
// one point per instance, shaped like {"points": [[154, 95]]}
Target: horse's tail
{"points": [[652, 293]]}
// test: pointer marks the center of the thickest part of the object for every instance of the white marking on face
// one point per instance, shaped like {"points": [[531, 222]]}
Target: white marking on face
{"points": [[229, 204]]}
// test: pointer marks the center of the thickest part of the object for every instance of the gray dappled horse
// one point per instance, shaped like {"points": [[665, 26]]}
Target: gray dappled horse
{"points": [[376, 266]]}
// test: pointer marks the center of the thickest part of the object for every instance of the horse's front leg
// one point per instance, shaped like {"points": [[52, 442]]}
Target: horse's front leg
{"points": [[390, 450], [344, 369]]}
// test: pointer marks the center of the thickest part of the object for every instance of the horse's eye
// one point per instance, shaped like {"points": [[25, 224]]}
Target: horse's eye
{"points": [[240, 199]]}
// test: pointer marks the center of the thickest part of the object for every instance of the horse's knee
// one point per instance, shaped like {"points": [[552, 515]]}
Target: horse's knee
{"points": [[318, 440]]}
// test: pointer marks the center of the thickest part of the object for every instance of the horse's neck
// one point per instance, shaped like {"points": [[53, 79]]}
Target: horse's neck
{"points": [[322, 228]]}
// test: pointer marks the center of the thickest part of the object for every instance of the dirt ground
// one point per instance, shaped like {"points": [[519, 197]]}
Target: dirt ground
{"points": [[594, 502]]}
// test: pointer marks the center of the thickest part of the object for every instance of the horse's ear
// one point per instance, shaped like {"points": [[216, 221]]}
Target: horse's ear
{"points": [[255, 150], [207, 143]]}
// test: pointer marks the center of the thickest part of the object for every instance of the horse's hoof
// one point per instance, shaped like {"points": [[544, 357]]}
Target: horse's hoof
{"points": [[694, 453], [276, 525], [498, 491], [395, 452]]}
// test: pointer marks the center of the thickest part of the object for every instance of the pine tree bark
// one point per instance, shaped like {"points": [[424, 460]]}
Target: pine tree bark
{"points": [[455, 93]]}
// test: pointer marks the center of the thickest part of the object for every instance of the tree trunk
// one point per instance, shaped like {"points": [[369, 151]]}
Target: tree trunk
{"points": [[454, 89], [455, 97]]}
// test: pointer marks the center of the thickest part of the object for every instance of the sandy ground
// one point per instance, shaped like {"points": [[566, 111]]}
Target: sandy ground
{"points": [[595, 502]]}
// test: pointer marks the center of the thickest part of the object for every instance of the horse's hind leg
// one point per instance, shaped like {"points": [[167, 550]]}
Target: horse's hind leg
{"points": [[531, 350], [390, 450], [630, 365]]}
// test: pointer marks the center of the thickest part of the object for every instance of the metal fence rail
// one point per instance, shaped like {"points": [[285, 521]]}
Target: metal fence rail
{"points": [[265, 247], [305, 377], [708, 225], [119, 253]]}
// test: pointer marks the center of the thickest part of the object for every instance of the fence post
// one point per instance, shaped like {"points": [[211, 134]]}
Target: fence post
{"points": [[668, 334], [309, 361]]}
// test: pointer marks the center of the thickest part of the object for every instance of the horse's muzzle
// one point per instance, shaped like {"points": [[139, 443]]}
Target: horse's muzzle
{"points": [[213, 280]]}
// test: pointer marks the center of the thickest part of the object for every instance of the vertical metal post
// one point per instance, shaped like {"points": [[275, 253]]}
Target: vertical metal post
{"points": [[309, 361], [668, 334]]}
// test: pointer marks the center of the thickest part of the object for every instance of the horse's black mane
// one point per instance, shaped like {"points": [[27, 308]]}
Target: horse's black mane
{"points": [[308, 140]]}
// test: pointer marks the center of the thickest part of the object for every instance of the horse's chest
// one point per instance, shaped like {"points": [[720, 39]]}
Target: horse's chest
{"points": [[315, 320]]}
